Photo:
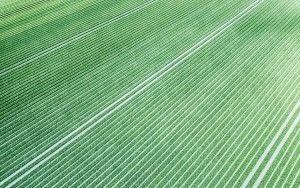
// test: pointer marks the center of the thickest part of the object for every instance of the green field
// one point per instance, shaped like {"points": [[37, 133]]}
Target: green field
{"points": [[150, 93]]}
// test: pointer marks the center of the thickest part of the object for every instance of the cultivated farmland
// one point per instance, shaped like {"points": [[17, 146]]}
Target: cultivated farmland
{"points": [[150, 93]]}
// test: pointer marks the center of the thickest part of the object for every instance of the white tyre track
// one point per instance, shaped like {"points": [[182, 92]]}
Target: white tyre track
{"points": [[270, 146]]}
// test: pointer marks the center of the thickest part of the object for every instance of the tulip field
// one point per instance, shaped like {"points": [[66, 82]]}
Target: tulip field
{"points": [[150, 93]]}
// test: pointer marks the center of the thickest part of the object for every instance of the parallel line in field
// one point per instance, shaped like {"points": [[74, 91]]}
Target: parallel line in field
{"points": [[237, 147], [54, 14], [232, 163], [206, 88], [89, 75], [45, 140], [249, 152], [234, 69], [136, 48], [269, 164], [165, 159], [19, 115], [73, 39], [191, 139], [251, 52], [256, 151], [270, 146], [134, 125], [240, 154], [297, 177], [286, 163], [178, 180], [85, 92], [51, 74], [195, 91], [244, 158], [275, 138], [267, 136], [85, 48], [26, 7], [209, 144], [120, 134], [286, 178], [140, 88], [260, 148], [229, 159]]}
